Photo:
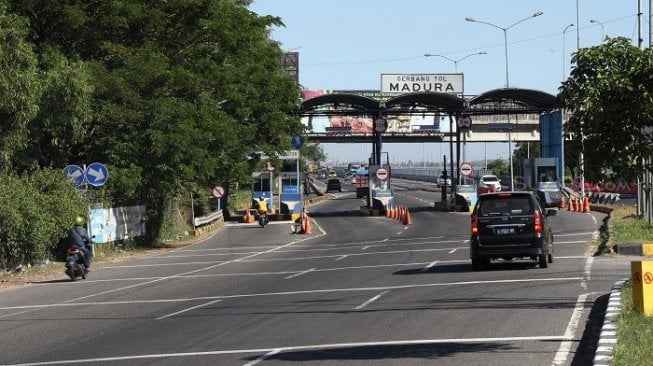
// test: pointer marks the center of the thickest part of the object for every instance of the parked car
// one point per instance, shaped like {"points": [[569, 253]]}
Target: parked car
{"points": [[333, 185], [510, 225], [489, 183], [441, 181]]}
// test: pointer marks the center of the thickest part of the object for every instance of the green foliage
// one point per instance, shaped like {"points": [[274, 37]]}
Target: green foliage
{"points": [[499, 167], [610, 97], [635, 333], [37, 210]]}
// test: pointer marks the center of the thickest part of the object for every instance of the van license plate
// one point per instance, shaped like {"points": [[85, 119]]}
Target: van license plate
{"points": [[505, 230]]}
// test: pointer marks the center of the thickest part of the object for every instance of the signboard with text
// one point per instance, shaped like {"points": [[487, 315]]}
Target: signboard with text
{"points": [[412, 83]]}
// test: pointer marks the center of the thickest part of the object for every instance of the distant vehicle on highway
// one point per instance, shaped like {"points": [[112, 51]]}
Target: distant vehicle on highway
{"points": [[510, 225], [333, 173], [442, 181], [333, 185], [489, 183]]}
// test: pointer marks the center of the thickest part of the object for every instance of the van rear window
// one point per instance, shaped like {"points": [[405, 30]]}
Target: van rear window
{"points": [[504, 205]]}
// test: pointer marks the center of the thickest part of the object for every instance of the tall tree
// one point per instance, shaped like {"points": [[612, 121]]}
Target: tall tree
{"points": [[610, 96], [20, 88]]}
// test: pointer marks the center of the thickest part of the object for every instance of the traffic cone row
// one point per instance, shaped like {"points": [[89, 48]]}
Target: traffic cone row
{"points": [[577, 204], [400, 213]]}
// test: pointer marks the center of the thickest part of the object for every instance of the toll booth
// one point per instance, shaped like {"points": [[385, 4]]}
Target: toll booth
{"points": [[262, 187], [290, 202]]}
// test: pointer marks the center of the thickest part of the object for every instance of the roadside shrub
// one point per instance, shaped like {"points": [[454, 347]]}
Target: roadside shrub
{"points": [[36, 211]]}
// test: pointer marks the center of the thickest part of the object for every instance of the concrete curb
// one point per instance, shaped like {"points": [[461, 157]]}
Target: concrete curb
{"points": [[608, 337]]}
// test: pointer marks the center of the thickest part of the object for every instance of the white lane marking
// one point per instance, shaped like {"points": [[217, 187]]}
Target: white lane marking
{"points": [[300, 273], [264, 357], [453, 250], [430, 265], [570, 242], [340, 257], [303, 292], [187, 309], [371, 300], [568, 338], [365, 247], [399, 233], [587, 273], [270, 351], [189, 272], [575, 234]]}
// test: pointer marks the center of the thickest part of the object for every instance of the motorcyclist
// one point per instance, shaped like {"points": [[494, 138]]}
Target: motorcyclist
{"points": [[262, 207], [78, 236]]}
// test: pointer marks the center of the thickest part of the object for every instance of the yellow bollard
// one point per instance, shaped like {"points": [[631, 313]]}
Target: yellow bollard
{"points": [[642, 282]]}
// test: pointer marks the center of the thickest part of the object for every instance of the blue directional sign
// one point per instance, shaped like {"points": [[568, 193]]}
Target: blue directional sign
{"points": [[75, 174], [97, 174], [297, 142]]}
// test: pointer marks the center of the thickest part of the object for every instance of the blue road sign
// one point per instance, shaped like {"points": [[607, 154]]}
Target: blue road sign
{"points": [[97, 174], [297, 142], [75, 174]]}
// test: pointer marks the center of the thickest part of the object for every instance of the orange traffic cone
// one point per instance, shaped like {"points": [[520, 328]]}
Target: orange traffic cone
{"points": [[563, 204], [246, 218], [407, 219], [388, 211], [586, 205], [570, 206], [309, 228], [401, 213]]}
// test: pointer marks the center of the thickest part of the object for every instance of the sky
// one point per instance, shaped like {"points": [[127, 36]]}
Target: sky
{"points": [[348, 44]]}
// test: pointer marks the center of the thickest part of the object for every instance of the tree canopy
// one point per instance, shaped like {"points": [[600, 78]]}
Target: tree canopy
{"points": [[171, 95], [610, 96]]}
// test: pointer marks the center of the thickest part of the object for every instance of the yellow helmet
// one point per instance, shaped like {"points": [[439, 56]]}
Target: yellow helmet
{"points": [[79, 221]]}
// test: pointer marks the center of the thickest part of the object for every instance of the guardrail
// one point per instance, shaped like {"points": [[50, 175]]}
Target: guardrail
{"points": [[203, 220]]}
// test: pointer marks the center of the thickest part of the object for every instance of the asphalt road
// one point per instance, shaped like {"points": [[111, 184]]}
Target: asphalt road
{"points": [[357, 291]]}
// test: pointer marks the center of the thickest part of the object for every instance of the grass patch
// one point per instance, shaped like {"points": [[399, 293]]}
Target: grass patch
{"points": [[635, 334], [627, 228]]}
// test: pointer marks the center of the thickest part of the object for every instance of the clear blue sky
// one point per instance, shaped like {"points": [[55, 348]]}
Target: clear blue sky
{"points": [[348, 44]]}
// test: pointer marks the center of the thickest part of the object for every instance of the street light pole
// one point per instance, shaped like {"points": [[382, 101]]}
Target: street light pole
{"points": [[602, 28], [505, 40], [455, 62], [564, 60], [505, 36]]}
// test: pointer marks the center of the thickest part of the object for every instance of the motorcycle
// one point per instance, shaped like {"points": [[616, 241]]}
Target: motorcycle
{"points": [[263, 218], [75, 266]]}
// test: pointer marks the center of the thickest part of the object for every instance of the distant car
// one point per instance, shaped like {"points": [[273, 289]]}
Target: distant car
{"points": [[510, 225], [333, 185], [333, 173], [441, 181], [489, 183]]}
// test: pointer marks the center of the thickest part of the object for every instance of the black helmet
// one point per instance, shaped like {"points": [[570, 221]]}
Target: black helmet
{"points": [[261, 198]]}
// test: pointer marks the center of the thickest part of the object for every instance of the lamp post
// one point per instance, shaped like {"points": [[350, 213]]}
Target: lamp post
{"points": [[602, 28], [564, 60], [505, 40], [505, 36], [455, 62]]}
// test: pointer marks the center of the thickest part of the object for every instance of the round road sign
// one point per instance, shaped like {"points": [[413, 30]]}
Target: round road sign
{"points": [[382, 173], [466, 169], [218, 191], [380, 124], [464, 121]]}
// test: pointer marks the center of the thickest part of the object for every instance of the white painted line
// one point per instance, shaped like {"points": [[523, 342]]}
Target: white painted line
{"points": [[452, 251], [568, 338], [340, 257], [271, 351], [187, 309], [575, 234], [303, 292], [425, 269], [571, 242], [365, 247], [587, 273], [300, 273], [371, 300]]}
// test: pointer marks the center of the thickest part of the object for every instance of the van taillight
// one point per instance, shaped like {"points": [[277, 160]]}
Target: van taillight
{"points": [[474, 225], [538, 222]]}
